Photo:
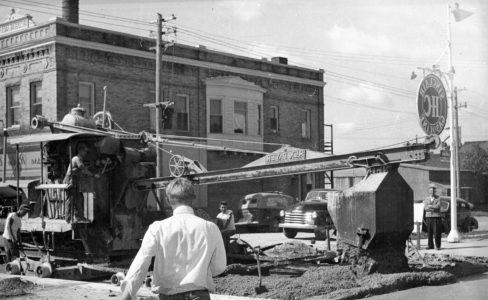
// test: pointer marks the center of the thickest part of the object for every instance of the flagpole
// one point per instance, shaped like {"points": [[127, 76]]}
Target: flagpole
{"points": [[453, 236]]}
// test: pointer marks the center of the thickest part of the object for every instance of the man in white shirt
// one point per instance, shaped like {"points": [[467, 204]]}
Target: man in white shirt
{"points": [[188, 252], [11, 232]]}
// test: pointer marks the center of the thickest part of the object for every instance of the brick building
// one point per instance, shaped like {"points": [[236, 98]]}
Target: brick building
{"points": [[49, 68]]}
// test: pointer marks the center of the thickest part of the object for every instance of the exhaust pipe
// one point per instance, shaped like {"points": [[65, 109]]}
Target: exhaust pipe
{"points": [[38, 122]]}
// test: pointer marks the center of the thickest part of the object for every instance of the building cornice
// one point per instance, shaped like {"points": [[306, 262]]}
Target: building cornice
{"points": [[185, 61]]}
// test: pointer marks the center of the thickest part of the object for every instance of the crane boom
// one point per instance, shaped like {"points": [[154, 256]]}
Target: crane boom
{"points": [[404, 154]]}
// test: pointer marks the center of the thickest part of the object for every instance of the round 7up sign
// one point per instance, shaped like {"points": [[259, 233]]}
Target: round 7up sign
{"points": [[432, 104]]}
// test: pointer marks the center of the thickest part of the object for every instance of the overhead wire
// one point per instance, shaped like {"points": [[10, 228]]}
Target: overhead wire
{"points": [[337, 76], [338, 99], [346, 78]]}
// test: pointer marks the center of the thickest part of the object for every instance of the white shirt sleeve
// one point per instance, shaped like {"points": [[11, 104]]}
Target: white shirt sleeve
{"points": [[140, 265], [218, 262]]}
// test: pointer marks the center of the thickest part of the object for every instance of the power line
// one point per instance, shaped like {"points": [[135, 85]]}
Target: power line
{"points": [[337, 99]]}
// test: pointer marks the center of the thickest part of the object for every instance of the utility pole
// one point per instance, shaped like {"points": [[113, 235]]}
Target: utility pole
{"points": [[158, 92]]}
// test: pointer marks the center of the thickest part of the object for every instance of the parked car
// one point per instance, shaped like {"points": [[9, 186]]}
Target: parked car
{"points": [[466, 222], [310, 215], [261, 211]]}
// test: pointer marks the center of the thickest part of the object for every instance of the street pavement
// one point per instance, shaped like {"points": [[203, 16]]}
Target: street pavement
{"points": [[473, 287]]}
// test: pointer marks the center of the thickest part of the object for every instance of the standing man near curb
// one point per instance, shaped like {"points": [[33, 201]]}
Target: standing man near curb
{"points": [[11, 232], [226, 224], [432, 207], [188, 252]]}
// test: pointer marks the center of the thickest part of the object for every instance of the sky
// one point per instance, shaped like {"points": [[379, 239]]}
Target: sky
{"points": [[368, 50]]}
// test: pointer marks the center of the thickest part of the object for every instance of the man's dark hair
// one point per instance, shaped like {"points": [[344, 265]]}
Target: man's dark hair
{"points": [[223, 203]]}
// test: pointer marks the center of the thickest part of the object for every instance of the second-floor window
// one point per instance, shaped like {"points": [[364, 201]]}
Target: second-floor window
{"points": [[35, 99], [216, 116], [181, 111], [274, 118], [240, 117], [13, 105], [305, 123], [86, 97]]}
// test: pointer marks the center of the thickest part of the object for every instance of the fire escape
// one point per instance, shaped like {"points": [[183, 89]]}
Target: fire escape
{"points": [[329, 149]]}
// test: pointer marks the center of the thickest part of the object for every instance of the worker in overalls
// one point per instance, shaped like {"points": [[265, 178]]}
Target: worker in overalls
{"points": [[11, 232], [74, 197]]}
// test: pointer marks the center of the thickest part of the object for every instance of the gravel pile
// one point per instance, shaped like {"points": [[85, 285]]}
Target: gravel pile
{"points": [[15, 286]]}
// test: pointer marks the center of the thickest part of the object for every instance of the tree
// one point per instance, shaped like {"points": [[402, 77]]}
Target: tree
{"points": [[476, 160]]}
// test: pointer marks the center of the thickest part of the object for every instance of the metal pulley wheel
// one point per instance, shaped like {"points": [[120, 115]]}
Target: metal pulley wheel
{"points": [[98, 118], [177, 166]]}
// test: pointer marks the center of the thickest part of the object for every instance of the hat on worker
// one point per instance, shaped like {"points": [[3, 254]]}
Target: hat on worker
{"points": [[432, 185], [24, 207]]}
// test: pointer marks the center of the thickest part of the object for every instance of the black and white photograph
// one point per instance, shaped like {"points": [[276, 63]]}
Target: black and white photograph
{"points": [[243, 149]]}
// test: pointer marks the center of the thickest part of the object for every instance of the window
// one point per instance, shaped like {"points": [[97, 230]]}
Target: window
{"points": [[305, 119], [13, 105], [86, 97], [181, 108], [240, 117], [216, 116], [35, 99], [274, 119], [259, 119]]}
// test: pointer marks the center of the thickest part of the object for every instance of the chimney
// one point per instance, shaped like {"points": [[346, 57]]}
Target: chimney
{"points": [[280, 60], [70, 11]]}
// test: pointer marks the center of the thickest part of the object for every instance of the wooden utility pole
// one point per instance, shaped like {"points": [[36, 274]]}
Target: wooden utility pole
{"points": [[158, 91]]}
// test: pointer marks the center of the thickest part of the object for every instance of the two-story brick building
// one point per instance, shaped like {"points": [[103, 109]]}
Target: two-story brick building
{"points": [[226, 99]]}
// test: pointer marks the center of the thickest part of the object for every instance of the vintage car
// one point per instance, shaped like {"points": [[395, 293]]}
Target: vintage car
{"points": [[466, 222], [261, 211], [310, 215]]}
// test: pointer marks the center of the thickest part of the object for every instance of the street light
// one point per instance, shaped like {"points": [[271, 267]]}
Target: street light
{"points": [[459, 15]]}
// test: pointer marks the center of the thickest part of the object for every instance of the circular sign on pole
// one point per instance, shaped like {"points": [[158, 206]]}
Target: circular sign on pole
{"points": [[432, 104]]}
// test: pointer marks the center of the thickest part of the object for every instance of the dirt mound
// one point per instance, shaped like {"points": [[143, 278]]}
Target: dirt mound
{"points": [[344, 282], [15, 286], [291, 250]]}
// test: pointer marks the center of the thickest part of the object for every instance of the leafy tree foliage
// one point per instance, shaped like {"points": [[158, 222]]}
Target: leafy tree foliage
{"points": [[476, 160]]}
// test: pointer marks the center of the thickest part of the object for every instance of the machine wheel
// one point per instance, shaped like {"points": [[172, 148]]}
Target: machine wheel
{"points": [[274, 226], [290, 233], [177, 165]]}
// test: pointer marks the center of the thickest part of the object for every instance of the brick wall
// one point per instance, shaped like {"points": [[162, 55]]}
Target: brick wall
{"points": [[130, 84]]}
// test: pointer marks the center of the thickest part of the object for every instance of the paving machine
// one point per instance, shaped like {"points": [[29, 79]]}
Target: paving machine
{"points": [[120, 204]]}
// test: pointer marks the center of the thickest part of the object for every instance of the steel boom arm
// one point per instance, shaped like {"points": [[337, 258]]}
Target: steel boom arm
{"points": [[404, 154]]}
